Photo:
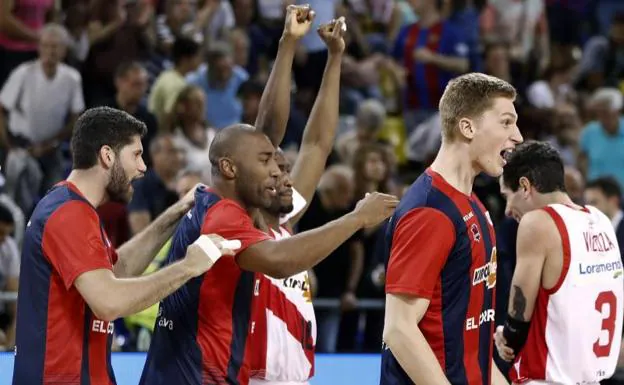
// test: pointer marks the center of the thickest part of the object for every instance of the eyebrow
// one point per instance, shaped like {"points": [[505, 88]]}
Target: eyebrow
{"points": [[514, 116]]}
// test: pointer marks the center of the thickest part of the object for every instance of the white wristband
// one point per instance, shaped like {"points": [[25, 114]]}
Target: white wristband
{"points": [[231, 244], [208, 246]]}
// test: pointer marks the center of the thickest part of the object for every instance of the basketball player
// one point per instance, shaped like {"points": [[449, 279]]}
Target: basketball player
{"points": [[202, 329], [440, 247], [565, 309], [283, 334], [73, 283]]}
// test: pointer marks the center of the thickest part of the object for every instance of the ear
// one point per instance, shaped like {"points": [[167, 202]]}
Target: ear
{"points": [[467, 128], [227, 168], [107, 156], [525, 186]]}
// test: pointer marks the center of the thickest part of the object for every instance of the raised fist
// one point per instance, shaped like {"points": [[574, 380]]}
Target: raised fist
{"points": [[298, 20], [332, 34]]}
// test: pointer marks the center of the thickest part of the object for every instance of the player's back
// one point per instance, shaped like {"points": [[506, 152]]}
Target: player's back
{"points": [[576, 326], [283, 330], [59, 339], [440, 245], [201, 330]]}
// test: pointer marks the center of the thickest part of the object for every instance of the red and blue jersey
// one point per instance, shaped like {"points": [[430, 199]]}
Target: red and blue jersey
{"points": [[440, 245], [426, 82], [59, 340], [200, 336]]}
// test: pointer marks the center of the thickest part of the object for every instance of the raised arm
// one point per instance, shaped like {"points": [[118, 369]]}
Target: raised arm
{"points": [[275, 102], [320, 131], [136, 254], [535, 233], [302, 251]]}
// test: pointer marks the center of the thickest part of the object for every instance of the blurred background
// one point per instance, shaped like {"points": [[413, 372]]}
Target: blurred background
{"points": [[188, 68]]}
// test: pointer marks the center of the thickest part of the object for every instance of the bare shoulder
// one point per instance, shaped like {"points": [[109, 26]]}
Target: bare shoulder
{"points": [[537, 229]]}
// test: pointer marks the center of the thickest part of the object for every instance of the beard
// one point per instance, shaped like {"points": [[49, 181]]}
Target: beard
{"points": [[118, 189]]}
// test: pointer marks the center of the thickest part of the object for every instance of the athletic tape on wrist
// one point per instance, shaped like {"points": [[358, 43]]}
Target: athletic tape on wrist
{"points": [[208, 247]]}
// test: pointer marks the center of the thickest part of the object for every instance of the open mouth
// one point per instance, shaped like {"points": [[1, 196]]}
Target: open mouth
{"points": [[506, 155], [272, 191]]}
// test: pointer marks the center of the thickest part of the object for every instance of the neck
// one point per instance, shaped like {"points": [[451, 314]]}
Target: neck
{"points": [[91, 185], [271, 219], [129, 107], [454, 164], [181, 69], [227, 190], [49, 69], [557, 197], [429, 17]]}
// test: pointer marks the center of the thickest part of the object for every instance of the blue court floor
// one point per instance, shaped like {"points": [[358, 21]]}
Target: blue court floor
{"points": [[331, 369]]}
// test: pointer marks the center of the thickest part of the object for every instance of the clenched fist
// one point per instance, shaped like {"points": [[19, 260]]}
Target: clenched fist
{"points": [[298, 20], [332, 34]]}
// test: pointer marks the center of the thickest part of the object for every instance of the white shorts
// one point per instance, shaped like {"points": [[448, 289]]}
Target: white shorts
{"points": [[257, 381]]}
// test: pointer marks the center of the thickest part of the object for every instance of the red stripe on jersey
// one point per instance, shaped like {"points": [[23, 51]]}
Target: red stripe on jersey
{"points": [[214, 322], [432, 326], [65, 367], [475, 303], [565, 245], [258, 338], [530, 364]]}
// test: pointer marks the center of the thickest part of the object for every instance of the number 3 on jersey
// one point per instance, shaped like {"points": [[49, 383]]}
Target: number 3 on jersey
{"points": [[608, 300]]}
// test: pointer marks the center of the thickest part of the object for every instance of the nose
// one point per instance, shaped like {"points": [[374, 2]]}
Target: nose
{"points": [[508, 212], [274, 170], [517, 136], [142, 167]]}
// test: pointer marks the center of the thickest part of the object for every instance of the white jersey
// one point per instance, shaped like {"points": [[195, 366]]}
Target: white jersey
{"points": [[283, 330], [576, 328]]}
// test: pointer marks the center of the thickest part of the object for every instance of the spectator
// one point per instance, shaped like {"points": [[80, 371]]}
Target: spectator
{"points": [[567, 127], [77, 24], [20, 24], [131, 85], [220, 80], [178, 22], [369, 121], [9, 278], [433, 51], [602, 140], [186, 59], [192, 135], [555, 88], [43, 99], [155, 192], [338, 275], [257, 63], [602, 64], [497, 60], [606, 195], [574, 184]]}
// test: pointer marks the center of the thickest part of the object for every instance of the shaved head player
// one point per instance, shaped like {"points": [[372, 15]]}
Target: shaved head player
{"points": [[202, 329], [440, 247], [73, 283], [566, 301]]}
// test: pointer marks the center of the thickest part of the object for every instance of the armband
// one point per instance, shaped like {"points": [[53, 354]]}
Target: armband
{"points": [[515, 333], [208, 247]]}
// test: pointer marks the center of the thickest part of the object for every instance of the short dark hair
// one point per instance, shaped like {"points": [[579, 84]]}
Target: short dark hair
{"points": [[250, 87], [125, 67], [608, 185], [102, 126], [184, 48], [540, 163], [6, 216]]}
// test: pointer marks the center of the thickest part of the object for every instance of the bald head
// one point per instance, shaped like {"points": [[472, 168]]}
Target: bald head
{"points": [[228, 142]]}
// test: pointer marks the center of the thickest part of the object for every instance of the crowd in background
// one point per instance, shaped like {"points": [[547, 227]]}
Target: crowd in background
{"points": [[188, 68]]}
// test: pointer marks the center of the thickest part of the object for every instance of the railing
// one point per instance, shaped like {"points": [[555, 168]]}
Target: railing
{"points": [[319, 303]]}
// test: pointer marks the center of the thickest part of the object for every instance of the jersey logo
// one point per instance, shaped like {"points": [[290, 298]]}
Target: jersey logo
{"points": [[487, 272], [474, 231], [307, 294]]}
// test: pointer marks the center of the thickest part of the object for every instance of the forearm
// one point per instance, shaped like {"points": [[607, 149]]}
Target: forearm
{"points": [[136, 254], [274, 105], [132, 295], [356, 267], [305, 250], [451, 64], [410, 348], [15, 29]]}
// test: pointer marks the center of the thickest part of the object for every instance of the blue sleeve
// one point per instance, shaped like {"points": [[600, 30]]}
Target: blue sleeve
{"points": [[399, 43], [584, 141], [454, 41], [139, 200]]}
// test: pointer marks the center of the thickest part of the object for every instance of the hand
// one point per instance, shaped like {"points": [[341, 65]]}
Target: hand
{"points": [[332, 35], [375, 207], [188, 200], [504, 351], [348, 301], [198, 261], [298, 21], [424, 55]]}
